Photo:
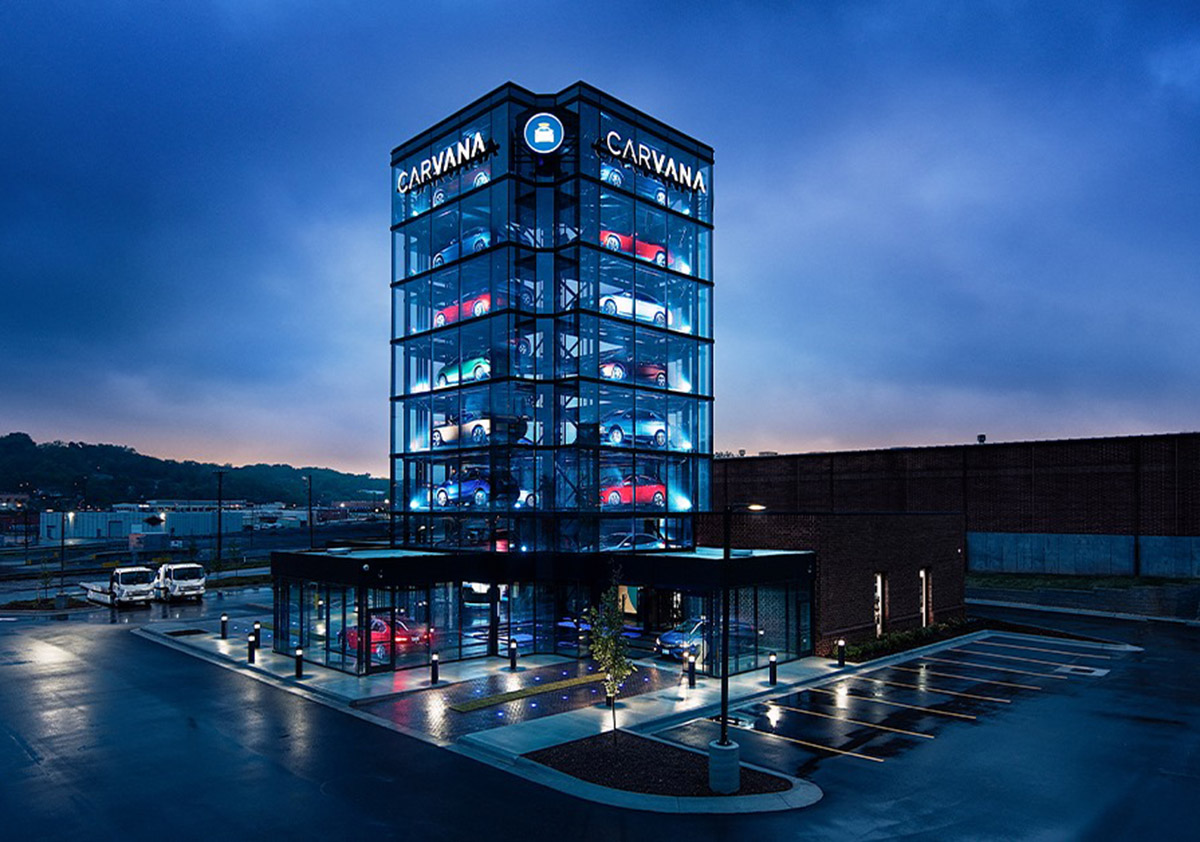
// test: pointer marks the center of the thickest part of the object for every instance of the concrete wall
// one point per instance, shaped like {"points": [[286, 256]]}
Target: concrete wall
{"points": [[1171, 557]]}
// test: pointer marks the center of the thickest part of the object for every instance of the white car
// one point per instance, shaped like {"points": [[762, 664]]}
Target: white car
{"points": [[471, 428], [638, 305]]}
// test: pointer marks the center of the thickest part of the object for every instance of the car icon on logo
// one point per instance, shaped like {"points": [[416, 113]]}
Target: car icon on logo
{"points": [[544, 133]]}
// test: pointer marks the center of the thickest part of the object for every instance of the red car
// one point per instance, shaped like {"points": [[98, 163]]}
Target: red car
{"points": [[407, 635], [474, 305], [624, 242], [646, 490], [616, 366]]}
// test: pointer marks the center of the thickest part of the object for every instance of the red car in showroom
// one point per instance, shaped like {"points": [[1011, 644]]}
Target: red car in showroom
{"points": [[476, 304], [407, 635], [633, 487], [617, 365], [624, 242]]}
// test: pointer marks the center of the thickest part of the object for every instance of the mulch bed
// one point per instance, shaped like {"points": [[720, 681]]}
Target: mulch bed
{"points": [[636, 764]]}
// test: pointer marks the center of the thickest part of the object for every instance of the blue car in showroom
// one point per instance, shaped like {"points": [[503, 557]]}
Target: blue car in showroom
{"points": [[472, 241], [688, 638], [476, 487], [641, 426]]}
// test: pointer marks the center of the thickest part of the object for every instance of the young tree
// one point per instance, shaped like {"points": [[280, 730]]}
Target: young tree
{"points": [[610, 649]]}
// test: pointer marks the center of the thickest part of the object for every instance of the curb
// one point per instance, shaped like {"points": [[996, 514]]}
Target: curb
{"points": [[802, 794], [1056, 609]]}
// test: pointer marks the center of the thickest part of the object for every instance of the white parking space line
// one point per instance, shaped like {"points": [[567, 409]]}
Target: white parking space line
{"points": [[1007, 657], [1039, 649], [992, 667], [807, 744], [851, 721], [968, 678], [932, 690], [846, 695]]}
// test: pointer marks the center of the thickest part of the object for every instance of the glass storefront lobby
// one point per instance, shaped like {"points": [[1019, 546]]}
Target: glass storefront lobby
{"points": [[375, 627]]}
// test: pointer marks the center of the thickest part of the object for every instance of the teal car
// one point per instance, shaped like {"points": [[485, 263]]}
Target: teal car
{"points": [[470, 367]]}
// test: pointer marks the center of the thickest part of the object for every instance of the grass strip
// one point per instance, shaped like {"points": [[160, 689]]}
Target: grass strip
{"points": [[511, 696]]}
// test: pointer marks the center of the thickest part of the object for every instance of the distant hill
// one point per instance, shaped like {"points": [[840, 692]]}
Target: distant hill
{"points": [[102, 474]]}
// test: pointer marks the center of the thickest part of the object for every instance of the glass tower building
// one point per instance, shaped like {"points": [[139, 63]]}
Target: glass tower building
{"points": [[551, 406], [551, 328]]}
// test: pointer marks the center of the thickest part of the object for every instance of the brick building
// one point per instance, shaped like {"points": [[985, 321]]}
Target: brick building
{"points": [[914, 559], [1127, 505]]}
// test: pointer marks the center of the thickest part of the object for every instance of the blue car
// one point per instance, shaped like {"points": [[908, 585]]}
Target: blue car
{"points": [[688, 638], [476, 487], [642, 426], [472, 241], [649, 187]]}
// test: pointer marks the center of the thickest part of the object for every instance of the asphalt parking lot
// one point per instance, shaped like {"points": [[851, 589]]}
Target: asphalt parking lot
{"points": [[878, 716]]}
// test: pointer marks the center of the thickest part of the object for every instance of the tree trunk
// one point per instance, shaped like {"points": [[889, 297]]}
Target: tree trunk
{"points": [[614, 715]]}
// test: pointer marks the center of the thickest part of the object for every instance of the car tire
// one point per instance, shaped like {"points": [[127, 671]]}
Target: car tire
{"points": [[439, 196], [438, 260], [609, 307], [442, 497], [614, 178], [614, 498], [480, 179], [660, 439], [531, 501], [381, 651], [441, 381], [478, 434], [523, 348], [660, 380], [618, 371], [480, 373], [480, 497], [437, 439], [659, 499], [612, 242], [480, 245], [660, 319], [480, 309], [660, 196], [615, 434], [439, 320], [660, 258]]}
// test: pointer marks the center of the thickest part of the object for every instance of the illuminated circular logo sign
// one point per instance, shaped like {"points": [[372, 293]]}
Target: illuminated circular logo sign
{"points": [[544, 133]]}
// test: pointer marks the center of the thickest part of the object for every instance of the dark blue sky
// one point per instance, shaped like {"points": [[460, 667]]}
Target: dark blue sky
{"points": [[932, 219]]}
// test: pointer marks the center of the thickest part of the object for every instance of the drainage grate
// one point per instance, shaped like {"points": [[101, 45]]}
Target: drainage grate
{"points": [[185, 632]]}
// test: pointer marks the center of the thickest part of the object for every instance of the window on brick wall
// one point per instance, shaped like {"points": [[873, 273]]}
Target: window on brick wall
{"points": [[926, 577], [880, 603]]}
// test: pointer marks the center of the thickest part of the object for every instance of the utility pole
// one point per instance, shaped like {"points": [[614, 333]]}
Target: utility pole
{"points": [[308, 481], [220, 508]]}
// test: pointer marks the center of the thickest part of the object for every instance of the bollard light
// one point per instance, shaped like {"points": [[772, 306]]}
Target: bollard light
{"points": [[257, 634], [773, 669], [433, 668], [841, 645], [250, 648], [512, 655], [299, 662], [224, 627], [691, 671]]}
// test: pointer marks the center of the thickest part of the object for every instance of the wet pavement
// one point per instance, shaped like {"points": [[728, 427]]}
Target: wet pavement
{"points": [[102, 733], [430, 711], [876, 716]]}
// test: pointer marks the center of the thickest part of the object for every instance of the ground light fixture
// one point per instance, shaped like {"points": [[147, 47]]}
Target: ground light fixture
{"points": [[433, 668], [841, 646], [224, 627], [773, 669], [724, 762], [250, 647], [299, 662]]}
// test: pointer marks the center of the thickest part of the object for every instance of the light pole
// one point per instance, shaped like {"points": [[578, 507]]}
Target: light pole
{"points": [[724, 769]]}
